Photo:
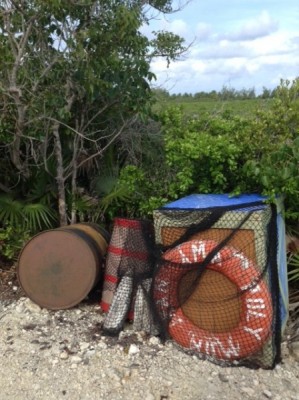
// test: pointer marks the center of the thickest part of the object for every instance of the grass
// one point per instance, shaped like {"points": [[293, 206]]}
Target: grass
{"points": [[245, 108]]}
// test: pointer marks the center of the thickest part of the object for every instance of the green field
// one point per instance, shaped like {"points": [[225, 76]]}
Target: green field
{"points": [[191, 107]]}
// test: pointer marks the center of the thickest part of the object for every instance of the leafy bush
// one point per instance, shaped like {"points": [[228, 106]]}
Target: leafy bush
{"points": [[18, 221], [219, 153], [202, 152], [274, 163], [12, 239]]}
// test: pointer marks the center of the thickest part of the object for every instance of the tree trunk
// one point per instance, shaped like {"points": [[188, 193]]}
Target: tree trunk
{"points": [[18, 48], [62, 209], [76, 142], [74, 191], [20, 120]]}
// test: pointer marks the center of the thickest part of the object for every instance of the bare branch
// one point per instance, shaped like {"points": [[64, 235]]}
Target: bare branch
{"points": [[55, 120], [4, 188], [43, 74], [101, 151], [21, 48], [98, 113], [11, 38], [180, 5]]}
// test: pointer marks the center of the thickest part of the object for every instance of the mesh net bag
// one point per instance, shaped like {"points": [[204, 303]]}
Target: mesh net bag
{"points": [[128, 276], [215, 289]]}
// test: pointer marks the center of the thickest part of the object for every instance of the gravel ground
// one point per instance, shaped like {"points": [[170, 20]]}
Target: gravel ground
{"points": [[63, 355]]}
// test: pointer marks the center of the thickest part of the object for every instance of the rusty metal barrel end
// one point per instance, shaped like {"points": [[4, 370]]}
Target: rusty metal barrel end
{"points": [[59, 267]]}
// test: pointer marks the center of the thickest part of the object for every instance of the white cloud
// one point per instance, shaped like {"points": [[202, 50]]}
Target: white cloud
{"points": [[260, 26], [222, 50], [203, 31], [277, 44], [179, 27], [256, 52]]}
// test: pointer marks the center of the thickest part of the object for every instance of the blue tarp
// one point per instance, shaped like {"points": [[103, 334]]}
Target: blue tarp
{"points": [[202, 201]]}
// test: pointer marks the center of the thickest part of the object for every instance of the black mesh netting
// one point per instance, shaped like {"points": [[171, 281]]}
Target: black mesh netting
{"points": [[209, 281], [128, 276]]}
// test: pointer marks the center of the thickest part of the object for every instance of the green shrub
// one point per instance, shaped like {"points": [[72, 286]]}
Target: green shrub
{"points": [[12, 239]]}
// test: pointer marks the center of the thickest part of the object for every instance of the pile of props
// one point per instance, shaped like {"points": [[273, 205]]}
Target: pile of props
{"points": [[208, 272]]}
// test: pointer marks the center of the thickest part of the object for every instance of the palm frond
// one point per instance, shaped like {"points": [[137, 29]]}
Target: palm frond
{"points": [[83, 203], [293, 263], [293, 275], [42, 186], [10, 210], [105, 184], [120, 193], [38, 216]]}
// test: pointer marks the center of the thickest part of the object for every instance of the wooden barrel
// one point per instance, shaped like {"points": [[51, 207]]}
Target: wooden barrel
{"points": [[214, 305], [59, 267], [218, 305]]}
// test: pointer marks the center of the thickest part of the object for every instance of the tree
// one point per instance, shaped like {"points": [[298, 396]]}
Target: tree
{"points": [[227, 93], [266, 94], [74, 77]]}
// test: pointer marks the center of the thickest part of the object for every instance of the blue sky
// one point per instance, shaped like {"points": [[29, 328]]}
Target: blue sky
{"points": [[234, 43]]}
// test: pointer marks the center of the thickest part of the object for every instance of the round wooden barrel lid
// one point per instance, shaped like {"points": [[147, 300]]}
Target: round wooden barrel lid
{"points": [[214, 304], [58, 268]]}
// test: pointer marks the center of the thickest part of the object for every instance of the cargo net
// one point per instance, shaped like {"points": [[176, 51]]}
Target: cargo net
{"points": [[208, 281], [215, 287]]}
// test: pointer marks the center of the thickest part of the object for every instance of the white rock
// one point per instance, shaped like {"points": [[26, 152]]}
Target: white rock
{"points": [[133, 349], [127, 373], [76, 359], [149, 396], [102, 345], [267, 393], [294, 350], [248, 391], [168, 383], [32, 307], [84, 346], [154, 341], [20, 308], [223, 377], [64, 355]]}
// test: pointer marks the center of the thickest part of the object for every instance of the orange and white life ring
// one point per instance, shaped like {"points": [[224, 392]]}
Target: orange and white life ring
{"points": [[254, 326]]}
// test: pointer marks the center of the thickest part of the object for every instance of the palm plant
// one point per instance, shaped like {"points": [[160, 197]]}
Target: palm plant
{"points": [[293, 262], [293, 275], [29, 216], [19, 220], [110, 192], [292, 239]]}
